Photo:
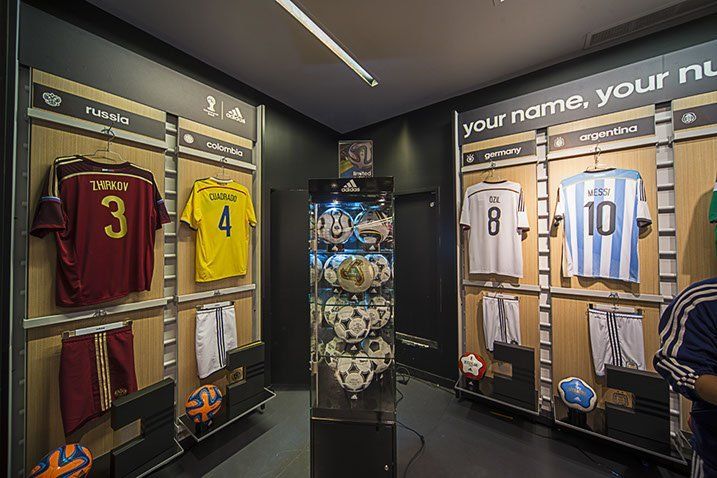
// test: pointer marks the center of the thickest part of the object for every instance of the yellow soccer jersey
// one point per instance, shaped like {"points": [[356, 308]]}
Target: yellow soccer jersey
{"points": [[221, 212]]}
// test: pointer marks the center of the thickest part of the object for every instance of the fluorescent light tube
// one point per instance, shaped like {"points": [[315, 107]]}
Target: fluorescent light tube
{"points": [[324, 38]]}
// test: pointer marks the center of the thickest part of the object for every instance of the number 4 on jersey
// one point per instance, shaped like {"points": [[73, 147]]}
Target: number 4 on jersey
{"points": [[225, 222]]}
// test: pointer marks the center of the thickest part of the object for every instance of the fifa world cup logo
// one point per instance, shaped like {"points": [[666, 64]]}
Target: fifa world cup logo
{"points": [[211, 101]]}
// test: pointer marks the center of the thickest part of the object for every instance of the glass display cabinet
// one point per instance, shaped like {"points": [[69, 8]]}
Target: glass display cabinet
{"points": [[351, 262]]}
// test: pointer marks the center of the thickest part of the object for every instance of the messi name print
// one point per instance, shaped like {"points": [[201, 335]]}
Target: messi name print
{"points": [[103, 217], [222, 213], [602, 213]]}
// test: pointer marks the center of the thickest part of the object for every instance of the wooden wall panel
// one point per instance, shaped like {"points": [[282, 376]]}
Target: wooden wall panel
{"points": [[44, 423], [525, 175], [572, 354], [186, 356], [695, 170], [189, 171], [529, 327], [640, 159], [49, 142]]}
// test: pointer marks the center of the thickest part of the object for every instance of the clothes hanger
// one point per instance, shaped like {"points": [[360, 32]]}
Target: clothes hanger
{"points": [[97, 328], [222, 171], [614, 306], [597, 166], [107, 149], [491, 173], [215, 305]]}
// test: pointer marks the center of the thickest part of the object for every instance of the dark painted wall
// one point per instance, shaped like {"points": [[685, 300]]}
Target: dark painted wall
{"points": [[295, 147], [416, 148]]}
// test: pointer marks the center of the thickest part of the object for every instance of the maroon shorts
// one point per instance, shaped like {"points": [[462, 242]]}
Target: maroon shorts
{"points": [[95, 369]]}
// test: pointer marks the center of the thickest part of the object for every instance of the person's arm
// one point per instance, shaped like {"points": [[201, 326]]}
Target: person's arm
{"points": [[688, 350], [706, 387]]}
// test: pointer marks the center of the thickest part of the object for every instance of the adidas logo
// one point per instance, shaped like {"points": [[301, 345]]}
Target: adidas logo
{"points": [[235, 114], [350, 187]]}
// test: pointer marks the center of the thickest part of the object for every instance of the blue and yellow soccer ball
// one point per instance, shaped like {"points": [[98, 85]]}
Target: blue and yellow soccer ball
{"points": [[67, 461], [203, 403]]}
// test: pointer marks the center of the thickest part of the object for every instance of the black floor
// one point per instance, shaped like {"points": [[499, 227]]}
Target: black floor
{"points": [[463, 439]]}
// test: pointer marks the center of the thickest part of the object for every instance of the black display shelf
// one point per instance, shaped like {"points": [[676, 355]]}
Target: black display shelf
{"points": [[101, 466], [482, 391], [201, 432]]}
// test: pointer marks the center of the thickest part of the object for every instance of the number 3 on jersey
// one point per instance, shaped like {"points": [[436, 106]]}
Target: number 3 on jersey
{"points": [[225, 222]]}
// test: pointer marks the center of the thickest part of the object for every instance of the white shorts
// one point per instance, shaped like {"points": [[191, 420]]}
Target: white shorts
{"points": [[216, 332], [501, 320], [616, 339]]}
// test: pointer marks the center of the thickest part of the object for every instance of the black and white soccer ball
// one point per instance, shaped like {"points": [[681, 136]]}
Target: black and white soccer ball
{"points": [[316, 271], [355, 274], [372, 227], [380, 353], [352, 323], [335, 226], [332, 350], [380, 311], [382, 269], [331, 268], [331, 308], [354, 373]]}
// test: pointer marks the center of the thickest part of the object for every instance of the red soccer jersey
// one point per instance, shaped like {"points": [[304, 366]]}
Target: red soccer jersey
{"points": [[104, 217]]}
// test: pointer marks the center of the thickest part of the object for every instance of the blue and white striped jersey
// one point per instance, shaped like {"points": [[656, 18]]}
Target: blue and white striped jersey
{"points": [[602, 211]]}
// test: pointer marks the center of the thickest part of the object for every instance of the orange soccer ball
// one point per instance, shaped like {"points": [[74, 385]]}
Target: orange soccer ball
{"points": [[67, 461], [203, 403]]}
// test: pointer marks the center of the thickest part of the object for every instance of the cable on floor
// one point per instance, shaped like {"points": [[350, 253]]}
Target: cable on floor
{"points": [[415, 455]]}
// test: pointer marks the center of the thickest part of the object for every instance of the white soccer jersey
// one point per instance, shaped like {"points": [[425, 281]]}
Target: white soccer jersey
{"points": [[603, 211], [494, 213]]}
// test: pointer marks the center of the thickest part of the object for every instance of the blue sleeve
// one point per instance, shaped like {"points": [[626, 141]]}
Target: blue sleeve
{"points": [[688, 340]]}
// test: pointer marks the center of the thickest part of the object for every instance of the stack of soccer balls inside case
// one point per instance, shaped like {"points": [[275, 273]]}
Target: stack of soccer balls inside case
{"points": [[357, 310]]}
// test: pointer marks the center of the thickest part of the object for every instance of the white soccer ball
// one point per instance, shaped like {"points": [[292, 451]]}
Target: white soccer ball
{"points": [[382, 269], [331, 309], [316, 272], [335, 226], [355, 274], [380, 353], [332, 350], [331, 269], [352, 323], [354, 374], [372, 227], [380, 311]]}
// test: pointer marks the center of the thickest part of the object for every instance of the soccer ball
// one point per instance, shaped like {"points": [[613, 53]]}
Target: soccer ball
{"points": [[70, 461], [360, 155], [577, 394], [352, 323], [372, 227], [332, 350], [203, 403], [356, 274], [331, 309], [382, 269], [335, 226], [331, 269], [472, 365], [380, 353], [316, 272], [380, 312], [354, 374]]}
